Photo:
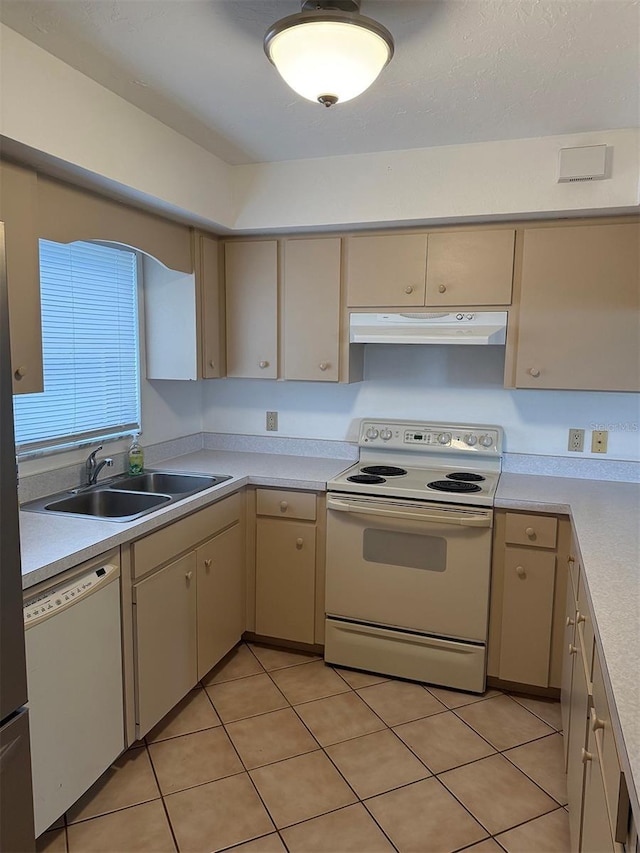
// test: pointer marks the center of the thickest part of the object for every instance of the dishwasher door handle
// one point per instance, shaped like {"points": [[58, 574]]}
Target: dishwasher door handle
{"points": [[472, 520]]}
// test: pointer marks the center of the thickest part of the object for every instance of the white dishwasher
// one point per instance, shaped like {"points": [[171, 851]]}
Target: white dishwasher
{"points": [[74, 678]]}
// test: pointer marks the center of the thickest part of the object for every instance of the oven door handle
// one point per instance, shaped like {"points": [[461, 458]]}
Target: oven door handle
{"points": [[463, 521]]}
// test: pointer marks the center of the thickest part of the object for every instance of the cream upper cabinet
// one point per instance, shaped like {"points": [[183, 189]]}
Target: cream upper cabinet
{"points": [[210, 293], [311, 309], [251, 279], [579, 305], [18, 211], [470, 267], [386, 270]]}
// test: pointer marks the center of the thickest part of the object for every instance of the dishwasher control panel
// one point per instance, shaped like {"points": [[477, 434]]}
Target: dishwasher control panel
{"points": [[57, 598]]}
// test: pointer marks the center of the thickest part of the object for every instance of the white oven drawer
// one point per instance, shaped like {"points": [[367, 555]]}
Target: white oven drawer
{"points": [[405, 655]]}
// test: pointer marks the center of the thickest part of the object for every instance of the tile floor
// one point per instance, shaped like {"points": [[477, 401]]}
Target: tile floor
{"points": [[277, 751]]}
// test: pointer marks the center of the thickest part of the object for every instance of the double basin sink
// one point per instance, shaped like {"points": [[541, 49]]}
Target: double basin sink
{"points": [[125, 497]]}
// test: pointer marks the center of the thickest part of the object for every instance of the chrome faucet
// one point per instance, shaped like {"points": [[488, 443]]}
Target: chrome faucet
{"points": [[92, 467]]}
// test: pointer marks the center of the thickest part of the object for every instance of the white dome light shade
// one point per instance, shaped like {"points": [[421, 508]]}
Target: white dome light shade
{"points": [[330, 60]]}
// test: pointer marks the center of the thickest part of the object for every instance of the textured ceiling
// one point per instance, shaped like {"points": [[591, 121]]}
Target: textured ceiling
{"points": [[463, 71]]}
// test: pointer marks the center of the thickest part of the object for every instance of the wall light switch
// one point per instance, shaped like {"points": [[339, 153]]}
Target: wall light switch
{"points": [[599, 440]]}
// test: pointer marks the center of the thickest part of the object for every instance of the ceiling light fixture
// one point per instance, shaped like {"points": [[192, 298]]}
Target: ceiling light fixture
{"points": [[329, 52]]}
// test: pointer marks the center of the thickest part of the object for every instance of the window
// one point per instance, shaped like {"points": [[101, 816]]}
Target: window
{"points": [[90, 348]]}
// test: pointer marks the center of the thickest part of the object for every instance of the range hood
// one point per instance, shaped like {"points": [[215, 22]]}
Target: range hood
{"points": [[477, 328]]}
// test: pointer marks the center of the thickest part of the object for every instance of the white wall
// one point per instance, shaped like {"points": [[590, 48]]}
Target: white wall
{"points": [[426, 382]]}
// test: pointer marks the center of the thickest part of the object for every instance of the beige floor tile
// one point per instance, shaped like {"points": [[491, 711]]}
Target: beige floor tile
{"points": [[486, 846], [217, 815], [543, 761], [376, 763], [193, 759], [497, 793], [312, 681], [457, 698], [546, 834], [425, 817], [301, 788], [246, 697], [547, 709], [443, 741], [238, 663], [357, 679], [272, 658], [138, 829], [503, 722], [267, 844], [194, 713], [400, 701], [349, 830], [339, 718], [270, 737], [127, 782], [53, 841]]}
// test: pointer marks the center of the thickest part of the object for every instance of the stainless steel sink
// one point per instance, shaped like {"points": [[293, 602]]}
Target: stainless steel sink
{"points": [[124, 498]]}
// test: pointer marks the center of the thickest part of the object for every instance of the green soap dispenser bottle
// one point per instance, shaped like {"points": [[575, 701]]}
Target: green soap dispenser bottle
{"points": [[136, 457]]}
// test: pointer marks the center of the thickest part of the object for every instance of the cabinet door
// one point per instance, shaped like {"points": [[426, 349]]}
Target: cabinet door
{"points": [[596, 833], [578, 321], [211, 301], [578, 720], [18, 204], [285, 579], [251, 283], [165, 636], [470, 268], [568, 661], [386, 270], [311, 321], [525, 643], [221, 596]]}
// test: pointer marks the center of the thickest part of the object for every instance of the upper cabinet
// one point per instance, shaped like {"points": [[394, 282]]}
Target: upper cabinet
{"points": [[211, 313], [577, 326], [18, 211], [443, 268]]}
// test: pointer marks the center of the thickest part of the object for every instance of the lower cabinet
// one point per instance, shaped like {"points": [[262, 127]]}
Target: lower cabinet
{"points": [[188, 605]]}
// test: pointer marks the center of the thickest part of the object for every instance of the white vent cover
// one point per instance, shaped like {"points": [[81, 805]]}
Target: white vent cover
{"points": [[586, 163]]}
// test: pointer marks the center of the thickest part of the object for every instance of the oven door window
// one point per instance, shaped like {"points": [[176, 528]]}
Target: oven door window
{"points": [[397, 548]]}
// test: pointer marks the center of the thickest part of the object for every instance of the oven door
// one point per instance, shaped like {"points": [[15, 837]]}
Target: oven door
{"points": [[418, 566]]}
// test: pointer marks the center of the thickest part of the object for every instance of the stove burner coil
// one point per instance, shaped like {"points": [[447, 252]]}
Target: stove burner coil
{"points": [[453, 486], [383, 470], [463, 477], [369, 479]]}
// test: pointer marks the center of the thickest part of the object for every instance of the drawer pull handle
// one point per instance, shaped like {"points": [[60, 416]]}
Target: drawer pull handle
{"points": [[521, 571], [597, 723], [442, 289], [570, 621], [189, 575], [533, 371], [20, 372], [263, 364], [299, 543], [408, 289], [573, 649], [581, 618], [207, 563], [586, 756], [284, 506], [530, 531]]}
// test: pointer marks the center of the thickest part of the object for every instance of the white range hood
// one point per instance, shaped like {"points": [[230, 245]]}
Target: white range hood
{"points": [[477, 328]]}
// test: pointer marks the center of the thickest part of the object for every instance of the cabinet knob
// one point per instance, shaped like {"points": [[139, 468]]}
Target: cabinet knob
{"points": [[572, 649], [189, 575], [408, 289], [521, 571], [323, 365], [596, 723], [20, 372], [586, 756], [570, 621], [442, 289], [299, 543], [533, 371], [207, 563], [530, 531], [571, 559], [284, 506], [212, 363], [581, 618], [263, 364]]}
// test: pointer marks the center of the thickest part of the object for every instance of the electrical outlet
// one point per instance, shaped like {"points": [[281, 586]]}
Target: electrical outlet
{"points": [[599, 440], [576, 440], [272, 421]]}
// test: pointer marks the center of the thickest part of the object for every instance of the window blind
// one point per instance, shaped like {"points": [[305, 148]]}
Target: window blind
{"points": [[90, 348]]}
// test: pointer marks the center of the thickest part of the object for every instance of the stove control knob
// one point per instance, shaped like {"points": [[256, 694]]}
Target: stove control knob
{"points": [[486, 440], [444, 438], [471, 439], [385, 434], [372, 433]]}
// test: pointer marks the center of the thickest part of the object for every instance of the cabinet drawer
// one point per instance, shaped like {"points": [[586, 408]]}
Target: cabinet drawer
{"points": [[158, 548], [286, 504], [535, 531]]}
